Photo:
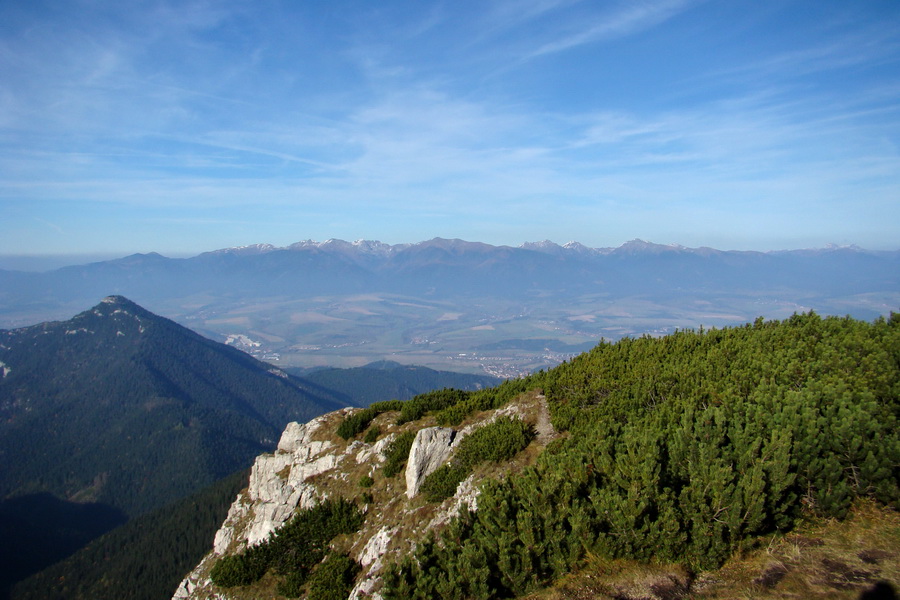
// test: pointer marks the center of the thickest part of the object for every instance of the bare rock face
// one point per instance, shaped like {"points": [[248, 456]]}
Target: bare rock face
{"points": [[277, 487], [297, 434], [313, 463], [376, 451], [277, 481], [430, 450]]}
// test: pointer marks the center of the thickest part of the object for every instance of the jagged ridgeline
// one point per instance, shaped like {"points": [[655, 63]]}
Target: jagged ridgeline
{"points": [[680, 449]]}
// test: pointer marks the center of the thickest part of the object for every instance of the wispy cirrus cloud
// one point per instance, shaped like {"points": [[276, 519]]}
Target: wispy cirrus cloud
{"points": [[875, 44], [624, 19]]}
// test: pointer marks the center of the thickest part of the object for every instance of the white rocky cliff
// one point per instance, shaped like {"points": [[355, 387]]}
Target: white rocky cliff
{"points": [[313, 463]]}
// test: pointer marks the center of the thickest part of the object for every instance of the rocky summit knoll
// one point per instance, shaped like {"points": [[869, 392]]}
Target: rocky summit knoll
{"points": [[641, 469], [313, 463]]}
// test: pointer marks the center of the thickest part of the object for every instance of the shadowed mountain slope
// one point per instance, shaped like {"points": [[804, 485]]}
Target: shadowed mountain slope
{"points": [[121, 406], [387, 380], [118, 411]]}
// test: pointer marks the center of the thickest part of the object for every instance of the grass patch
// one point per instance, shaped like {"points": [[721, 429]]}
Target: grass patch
{"points": [[836, 560]]}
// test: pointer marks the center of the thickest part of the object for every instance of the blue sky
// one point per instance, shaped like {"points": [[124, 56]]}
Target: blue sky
{"points": [[180, 127]]}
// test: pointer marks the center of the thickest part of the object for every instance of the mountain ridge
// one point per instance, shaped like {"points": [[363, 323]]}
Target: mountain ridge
{"points": [[125, 356], [345, 304], [117, 411], [630, 246], [378, 248]]}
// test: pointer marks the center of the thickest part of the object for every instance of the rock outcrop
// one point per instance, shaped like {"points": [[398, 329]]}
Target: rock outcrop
{"points": [[313, 463], [277, 487], [429, 451]]}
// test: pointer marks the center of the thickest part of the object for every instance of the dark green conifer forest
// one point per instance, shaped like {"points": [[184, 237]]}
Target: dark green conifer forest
{"points": [[146, 558]]}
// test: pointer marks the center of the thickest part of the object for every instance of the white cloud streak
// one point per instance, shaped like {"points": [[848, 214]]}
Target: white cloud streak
{"points": [[627, 19]]}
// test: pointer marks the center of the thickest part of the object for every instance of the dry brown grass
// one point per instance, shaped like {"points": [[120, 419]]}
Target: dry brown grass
{"points": [[820, 559], [605, 579]]}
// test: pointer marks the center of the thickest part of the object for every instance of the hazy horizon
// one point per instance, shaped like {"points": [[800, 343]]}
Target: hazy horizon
{"points": [[49, 262]]}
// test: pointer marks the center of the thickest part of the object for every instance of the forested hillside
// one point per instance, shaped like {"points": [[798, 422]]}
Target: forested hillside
{"points": [[143, 559], [124, 407], [118, 411], [683, 449], [387, 380]]}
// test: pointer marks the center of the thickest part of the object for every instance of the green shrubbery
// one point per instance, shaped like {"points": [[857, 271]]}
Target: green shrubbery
{"points": [[442, 482], [333, 579], [386, 405], [357, 422], [372, 435], [495, 442], [292, 551], [416, 408], [240, 569], [680, 448], [397, 452], [410, 410], [485, 399]]}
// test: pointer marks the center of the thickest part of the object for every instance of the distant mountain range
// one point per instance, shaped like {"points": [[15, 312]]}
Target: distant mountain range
{"points": [[458, 305], [442, 267]]}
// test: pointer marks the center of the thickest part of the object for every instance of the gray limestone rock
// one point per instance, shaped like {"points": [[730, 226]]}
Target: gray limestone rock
{"points": [[429, 451]]}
